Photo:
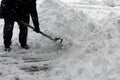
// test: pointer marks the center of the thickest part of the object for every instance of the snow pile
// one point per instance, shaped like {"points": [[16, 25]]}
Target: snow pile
{"points": [[86, 36], [111, 3], [102, 64], [93, 2], [70, 24], [111, 26]]}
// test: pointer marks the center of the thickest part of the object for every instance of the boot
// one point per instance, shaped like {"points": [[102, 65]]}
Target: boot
{"points": [[7, 49], [25, 46]]}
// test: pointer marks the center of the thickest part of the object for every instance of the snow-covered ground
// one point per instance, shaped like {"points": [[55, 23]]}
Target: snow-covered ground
{"points": [[90, 50]]}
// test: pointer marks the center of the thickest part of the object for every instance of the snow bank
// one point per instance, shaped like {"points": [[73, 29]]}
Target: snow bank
{"points": [[111, 3], [59, 19], [93, 2], [111, 26], [85, 35]]}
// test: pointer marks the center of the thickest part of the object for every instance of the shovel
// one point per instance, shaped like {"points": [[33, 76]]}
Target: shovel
{"points": [[47, 36]]}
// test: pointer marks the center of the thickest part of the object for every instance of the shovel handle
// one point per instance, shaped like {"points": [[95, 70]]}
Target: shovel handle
{"points": [[22, 22]]}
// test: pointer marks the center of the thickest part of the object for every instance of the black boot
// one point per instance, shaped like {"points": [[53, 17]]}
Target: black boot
{"points": [[25, 46], [7, 49]]}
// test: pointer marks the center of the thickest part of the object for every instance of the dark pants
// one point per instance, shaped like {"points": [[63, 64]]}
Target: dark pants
{"points": [[8, 31]]}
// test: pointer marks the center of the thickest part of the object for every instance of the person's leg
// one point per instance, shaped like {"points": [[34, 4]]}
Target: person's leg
{"points": [[8, 31], [23, 33]]}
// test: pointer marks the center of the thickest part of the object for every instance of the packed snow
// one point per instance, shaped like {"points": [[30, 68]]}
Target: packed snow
{"points": [[89, 51]]}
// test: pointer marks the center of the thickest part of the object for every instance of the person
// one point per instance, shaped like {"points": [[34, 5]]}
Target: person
{"points": [[18, 10]]}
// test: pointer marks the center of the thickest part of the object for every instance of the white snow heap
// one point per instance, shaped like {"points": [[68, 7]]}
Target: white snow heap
{"points": [[111, 3], [59, 19]]}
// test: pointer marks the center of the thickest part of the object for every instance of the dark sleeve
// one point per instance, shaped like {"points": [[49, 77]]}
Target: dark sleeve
{"points": [[3, 6], [34, 14]]}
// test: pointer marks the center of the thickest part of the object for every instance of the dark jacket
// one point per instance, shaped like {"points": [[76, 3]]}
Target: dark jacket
{"points": [[1, 15], [18, 9]]}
